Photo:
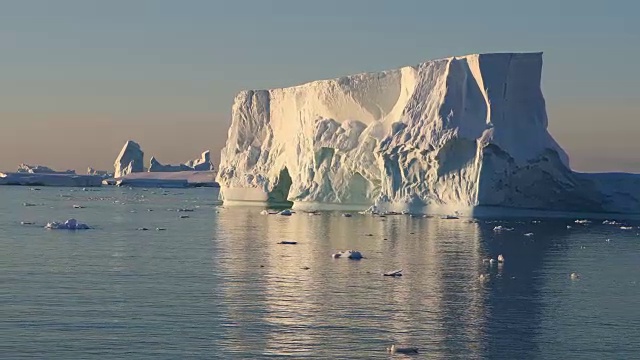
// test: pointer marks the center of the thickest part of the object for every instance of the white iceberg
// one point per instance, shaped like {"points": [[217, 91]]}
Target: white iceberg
{"points": [[464, 133], [71, 224], [50, 179], [40, 169], [130, 160], [201, 164]]}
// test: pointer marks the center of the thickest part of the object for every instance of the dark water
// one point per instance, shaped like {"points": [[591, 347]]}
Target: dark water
{"points": [[217, 284]]}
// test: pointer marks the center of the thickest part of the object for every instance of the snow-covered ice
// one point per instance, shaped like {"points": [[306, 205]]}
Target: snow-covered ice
{"points": [[461, 134]]}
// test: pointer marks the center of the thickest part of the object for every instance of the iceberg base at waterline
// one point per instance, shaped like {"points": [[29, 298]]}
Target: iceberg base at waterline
{"points": [[180, 179]]}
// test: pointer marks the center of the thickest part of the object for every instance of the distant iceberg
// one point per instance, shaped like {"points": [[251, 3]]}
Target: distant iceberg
{"points": [[40, 169], [201, 164], [130, 160], [50, 179]]}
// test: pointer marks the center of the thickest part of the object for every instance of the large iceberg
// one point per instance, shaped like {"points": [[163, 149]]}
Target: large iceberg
{"points": [[456, 134], [130, 160]]}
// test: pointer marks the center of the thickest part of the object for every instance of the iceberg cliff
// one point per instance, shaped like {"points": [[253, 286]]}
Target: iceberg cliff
{"points": [[130, 160], [446, 135]]}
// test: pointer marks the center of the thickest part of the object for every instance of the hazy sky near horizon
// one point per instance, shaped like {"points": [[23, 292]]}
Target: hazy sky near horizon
{"points": [[79, 78]]}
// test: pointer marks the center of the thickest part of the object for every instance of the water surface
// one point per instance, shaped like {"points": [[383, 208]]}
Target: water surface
{"points": [[217, 284]]}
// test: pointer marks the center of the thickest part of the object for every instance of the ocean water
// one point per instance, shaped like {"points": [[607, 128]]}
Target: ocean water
{"points": [[217, 284]]}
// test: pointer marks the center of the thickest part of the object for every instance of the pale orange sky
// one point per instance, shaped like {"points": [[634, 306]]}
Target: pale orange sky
{"points": [[597, 136]]}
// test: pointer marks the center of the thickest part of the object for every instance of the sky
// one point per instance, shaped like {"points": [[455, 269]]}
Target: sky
{"points": [[79, 78]]}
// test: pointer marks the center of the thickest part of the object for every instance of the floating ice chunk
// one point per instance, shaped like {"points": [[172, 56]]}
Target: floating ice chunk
{"points": [[610, 222], [575, 276], [626, 227], [285, 212], [501, 228], [26, 223], [393, 349], [349, 254], [528, 234], [583, 222], [71, 224], [346, 215], [393, 273], [500, 258], [78, 207], [449, 217], [160, 229], [142, 229], [28, 204], [569, 226]]}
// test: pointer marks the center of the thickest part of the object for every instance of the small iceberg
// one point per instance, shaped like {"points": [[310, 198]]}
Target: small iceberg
{"points": [[71, 224], [610, 222], [626, 227], [528, 234], [285, 212], [500, 259], [78, 207], [28, 204], [346, 215], [583, 222], [349, 254], [26, 223]]}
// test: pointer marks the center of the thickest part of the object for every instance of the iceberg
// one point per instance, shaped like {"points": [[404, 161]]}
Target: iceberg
{"points": [[40, 169], [130, 160], [50, 179], [103, 173], [465, 134], [201, 164], [156, 166]]}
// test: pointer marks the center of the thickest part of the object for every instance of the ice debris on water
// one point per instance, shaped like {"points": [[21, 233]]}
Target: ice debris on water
{"points": [[502, 228], [285, 212], [393, 273], [71, 224], [583, 222], [349, 254]]}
